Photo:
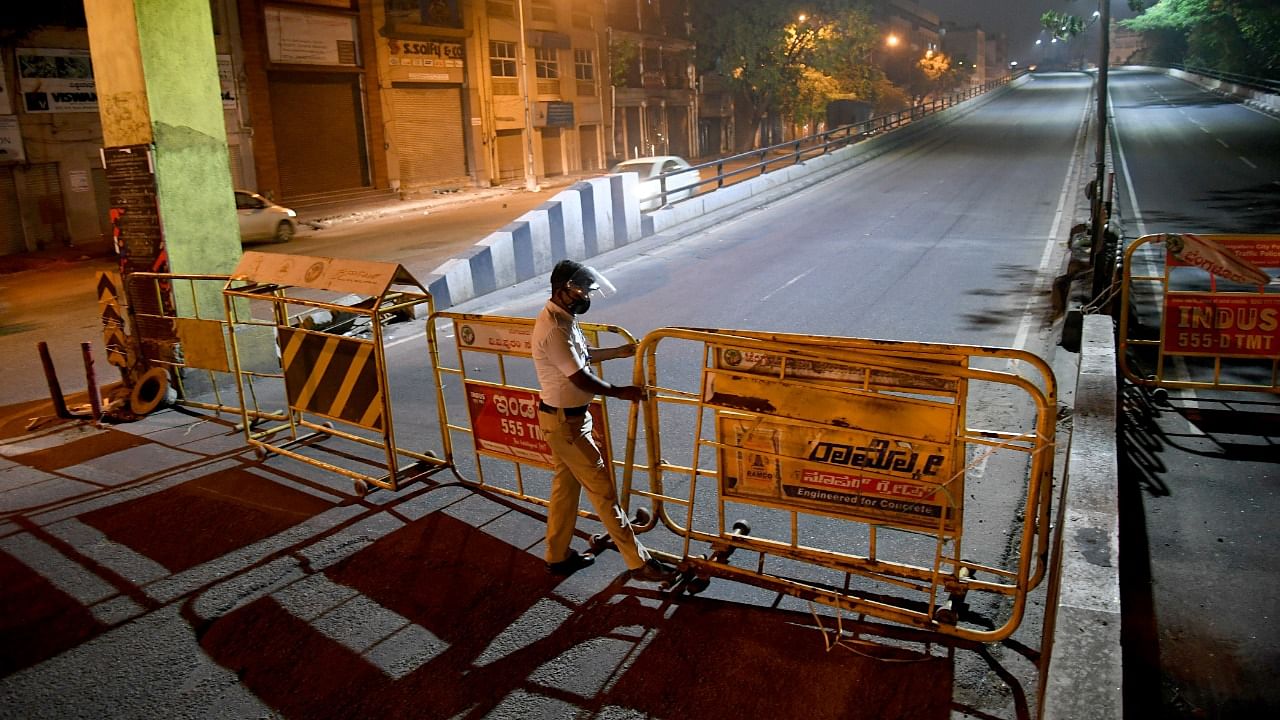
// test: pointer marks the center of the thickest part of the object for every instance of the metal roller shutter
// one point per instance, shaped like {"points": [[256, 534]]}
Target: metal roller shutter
{"points": [[552, 153], [11, 237], [429, 133], [319, 133], [589, 148], [510, 155], [44, 214]]}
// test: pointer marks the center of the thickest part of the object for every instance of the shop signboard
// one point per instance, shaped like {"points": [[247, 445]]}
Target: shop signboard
{"points": [[56, 80]]}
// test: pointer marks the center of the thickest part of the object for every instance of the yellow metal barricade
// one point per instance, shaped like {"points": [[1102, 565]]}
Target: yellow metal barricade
{"points": [[843, 465], [182, 326], [325, 372], [1201, 312], [490, 396]]}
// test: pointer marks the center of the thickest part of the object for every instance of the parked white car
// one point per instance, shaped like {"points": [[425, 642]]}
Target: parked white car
{"points": [[679, 186], [261, 219]]}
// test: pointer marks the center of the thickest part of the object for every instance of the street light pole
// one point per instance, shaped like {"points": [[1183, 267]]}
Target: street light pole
{"points": [[530, 172], [1100, 159]]}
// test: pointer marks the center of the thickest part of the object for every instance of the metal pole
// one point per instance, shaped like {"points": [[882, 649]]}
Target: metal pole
{"points": [[1100, 160], [91, 379], [530, 173], [55, 388]]}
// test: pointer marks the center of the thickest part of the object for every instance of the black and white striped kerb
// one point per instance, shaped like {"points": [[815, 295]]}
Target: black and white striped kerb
{"points": [[333, 376]]}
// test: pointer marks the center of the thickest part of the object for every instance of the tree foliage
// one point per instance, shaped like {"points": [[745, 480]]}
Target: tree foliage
{"points": [[785, 56], [1241, 36]]}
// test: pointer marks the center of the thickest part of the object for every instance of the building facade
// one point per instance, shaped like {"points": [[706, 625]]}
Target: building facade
{"points": [[326, 100], [337, 99]]}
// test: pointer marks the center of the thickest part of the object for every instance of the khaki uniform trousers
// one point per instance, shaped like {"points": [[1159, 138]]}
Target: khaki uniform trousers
{"points": [[579, 466]]}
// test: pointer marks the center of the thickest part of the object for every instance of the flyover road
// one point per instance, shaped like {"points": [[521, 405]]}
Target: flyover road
{"points": [[233, 588], [952, 239], [1199, 475]]}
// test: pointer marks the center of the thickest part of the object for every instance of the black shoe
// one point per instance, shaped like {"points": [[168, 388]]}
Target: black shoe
{"points": [[654, 570], [572, 564]]}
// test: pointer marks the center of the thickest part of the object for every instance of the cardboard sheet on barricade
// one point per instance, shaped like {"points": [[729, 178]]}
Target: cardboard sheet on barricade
{"points": [[504, 424], [358, 277], [817, 444]]}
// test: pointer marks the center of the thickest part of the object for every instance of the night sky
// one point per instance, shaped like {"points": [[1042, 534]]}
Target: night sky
{"points": [[1017, 19]]}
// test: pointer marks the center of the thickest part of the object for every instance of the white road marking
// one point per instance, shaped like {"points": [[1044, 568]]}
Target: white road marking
{"points": [[1149, 266], [1024, 326], [1245, 160], [789, 283]]}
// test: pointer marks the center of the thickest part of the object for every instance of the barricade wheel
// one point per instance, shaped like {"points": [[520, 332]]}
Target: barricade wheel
{"points": [[361, 487], [696, 585], [642, 517], [741, 527], [601, 542]]}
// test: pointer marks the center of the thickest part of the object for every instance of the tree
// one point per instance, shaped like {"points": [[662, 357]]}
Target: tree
{"points": [[785, 55], [920, 76], [1240, 36]]}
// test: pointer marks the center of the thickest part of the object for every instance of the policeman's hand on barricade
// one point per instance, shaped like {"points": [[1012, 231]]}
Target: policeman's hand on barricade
{"points": [[630, 393], [613, 353]]}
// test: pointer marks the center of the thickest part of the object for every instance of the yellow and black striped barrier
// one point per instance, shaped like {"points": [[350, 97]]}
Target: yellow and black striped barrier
{"points": [[332, 376]]}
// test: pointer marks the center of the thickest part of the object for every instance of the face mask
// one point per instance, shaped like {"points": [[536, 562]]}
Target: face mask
{"points": [[579, 305]]}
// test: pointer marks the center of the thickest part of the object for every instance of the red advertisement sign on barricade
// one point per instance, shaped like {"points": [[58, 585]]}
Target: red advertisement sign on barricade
{"points": [[1222, 325], [504, 424]]}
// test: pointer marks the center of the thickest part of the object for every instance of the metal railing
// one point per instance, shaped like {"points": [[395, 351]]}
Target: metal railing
{"points": [[1266, 84], [792, 152]]}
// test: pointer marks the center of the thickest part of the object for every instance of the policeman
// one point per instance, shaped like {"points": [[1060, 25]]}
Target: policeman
{"points": [[563, 361]]}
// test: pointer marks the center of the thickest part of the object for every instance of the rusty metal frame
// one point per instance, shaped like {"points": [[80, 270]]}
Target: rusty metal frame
{"points": [[1162, 375], [450, 425], [157, 283], [301, 428], [940, 583]]}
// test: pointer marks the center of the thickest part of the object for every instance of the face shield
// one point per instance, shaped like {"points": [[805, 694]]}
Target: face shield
{"points": [[592, 281]]}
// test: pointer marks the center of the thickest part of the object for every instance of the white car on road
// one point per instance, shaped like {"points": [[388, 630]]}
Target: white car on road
{"points": [[679, 186], [261, 219]]}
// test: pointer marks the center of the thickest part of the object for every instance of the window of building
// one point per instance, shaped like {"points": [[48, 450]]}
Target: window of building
{"points": [[545, 65], [502, 58], [500, 8], [584, 65], [543, 11]]}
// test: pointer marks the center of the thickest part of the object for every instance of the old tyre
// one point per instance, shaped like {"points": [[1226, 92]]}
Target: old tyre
{"points": [[150, 392]]}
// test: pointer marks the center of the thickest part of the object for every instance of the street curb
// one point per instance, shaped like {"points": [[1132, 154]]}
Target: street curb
{"points": [[1084, 677]]}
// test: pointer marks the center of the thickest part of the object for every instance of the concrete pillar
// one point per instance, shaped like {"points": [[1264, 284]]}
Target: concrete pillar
{"points": [[156, 73]]}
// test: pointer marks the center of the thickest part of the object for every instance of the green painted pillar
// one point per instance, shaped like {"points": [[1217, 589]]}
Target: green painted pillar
{"points": [[156, 73]]}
